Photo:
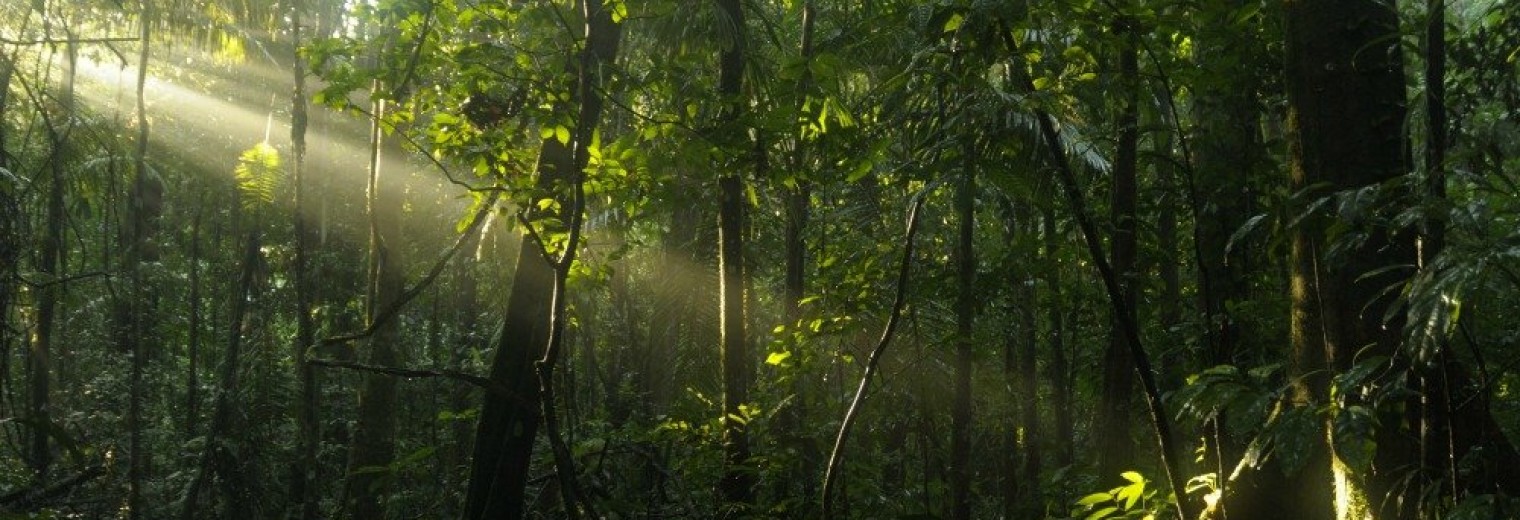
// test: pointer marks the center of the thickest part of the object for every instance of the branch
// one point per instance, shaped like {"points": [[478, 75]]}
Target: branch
{"points": [[64, 280], [25, 500], [406, 297], [72, 41], [836, 457], [477, 381]]}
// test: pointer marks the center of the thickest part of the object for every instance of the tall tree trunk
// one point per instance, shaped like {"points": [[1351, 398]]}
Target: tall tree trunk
{"points": [[737, 486], [374, 442], [1116, 444], [1027, 372], [145, 204], [965, 343], [509, 423], [308, 432], [53, 251], [193, 331], [1229, 157], [1345, 115], [798, 202], [1060, 367], [218, 461]]}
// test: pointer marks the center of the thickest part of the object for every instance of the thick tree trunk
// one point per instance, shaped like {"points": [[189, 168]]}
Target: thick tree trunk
{"points": [[1115, 422], [1345, 115], [737, 485], [509, 423]]}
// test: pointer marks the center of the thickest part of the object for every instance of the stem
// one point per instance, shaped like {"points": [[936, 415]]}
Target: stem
{"points": [[836, 457]]}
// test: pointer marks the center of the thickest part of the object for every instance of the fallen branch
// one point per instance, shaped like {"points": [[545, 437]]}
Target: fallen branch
{"points": [[836, 457], [27, 499]]}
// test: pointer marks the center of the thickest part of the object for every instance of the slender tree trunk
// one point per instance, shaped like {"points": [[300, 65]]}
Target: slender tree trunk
{"points": [[798, 202], [145, 206], [1060, 368], [53, 251], [1228, 158], [509, 423], [308, 431], [193, 347], [1114, 426], [965, 343], [218, 462], [1027, 374], [374, 442]]}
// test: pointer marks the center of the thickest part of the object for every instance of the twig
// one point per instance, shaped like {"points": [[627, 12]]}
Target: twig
{"points": [[406, 297], [70, 41], [836, 457]]}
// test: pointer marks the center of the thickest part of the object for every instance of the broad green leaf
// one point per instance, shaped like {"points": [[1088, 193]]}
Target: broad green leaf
{"points": [[1094, 499], [954, 22], [1133, 476], [777, 358], [1102, 513]]}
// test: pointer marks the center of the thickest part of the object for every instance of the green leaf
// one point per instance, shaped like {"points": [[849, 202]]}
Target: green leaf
{"points": [[777, 358], [954, 22], [1102, 513], [562, 134], [1134, 477], [1094, 499]]}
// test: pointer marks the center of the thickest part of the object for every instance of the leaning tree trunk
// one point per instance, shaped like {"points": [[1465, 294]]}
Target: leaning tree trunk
{"points": [[509, 423]]}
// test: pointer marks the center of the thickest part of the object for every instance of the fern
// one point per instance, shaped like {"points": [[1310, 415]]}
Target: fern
{"points": [[258, 175]]}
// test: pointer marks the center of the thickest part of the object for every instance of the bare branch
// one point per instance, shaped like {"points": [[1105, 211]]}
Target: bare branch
{"points": [[407, 296]]}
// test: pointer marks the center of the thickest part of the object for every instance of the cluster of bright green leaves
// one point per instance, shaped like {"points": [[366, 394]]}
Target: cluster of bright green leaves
{"points": [[1132, 500]]}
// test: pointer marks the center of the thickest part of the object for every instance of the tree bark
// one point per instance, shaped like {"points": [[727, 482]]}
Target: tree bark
{"points": [[509, 423], [1115, 440], [1345, 115], [308, 431], [737, 485], [965, 342], [145, 204], [374, 442]]}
